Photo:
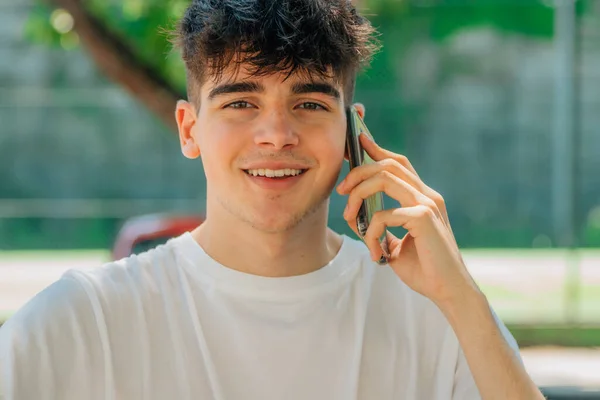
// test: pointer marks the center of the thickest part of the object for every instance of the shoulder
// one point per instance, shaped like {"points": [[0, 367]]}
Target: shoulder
{"points": [[55, 305], [128, 277], [46, 340], [79, 294], [69, 327]]}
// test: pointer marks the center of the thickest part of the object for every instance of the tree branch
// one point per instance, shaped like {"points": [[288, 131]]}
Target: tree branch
{"points": [[119, 63]]}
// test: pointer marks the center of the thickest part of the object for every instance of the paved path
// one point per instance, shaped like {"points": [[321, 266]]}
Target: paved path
{"points": [[21, 279], [563, 367]]}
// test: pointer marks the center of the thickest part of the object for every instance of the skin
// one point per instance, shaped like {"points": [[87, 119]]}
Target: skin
{"points": [[276, 233], [428, 260], [281, 233]]}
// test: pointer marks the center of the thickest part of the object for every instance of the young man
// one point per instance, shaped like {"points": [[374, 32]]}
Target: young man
{"points": [[263, 301]]}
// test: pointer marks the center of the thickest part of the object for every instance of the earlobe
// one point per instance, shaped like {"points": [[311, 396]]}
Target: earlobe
{"points": [[190, 150]]}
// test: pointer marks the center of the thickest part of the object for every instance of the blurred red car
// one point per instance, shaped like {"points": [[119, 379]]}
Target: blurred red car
{"points": [[143, 233]]}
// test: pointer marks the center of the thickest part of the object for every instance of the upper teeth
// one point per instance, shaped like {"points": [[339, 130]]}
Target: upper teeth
{"points": [[274, 172]]}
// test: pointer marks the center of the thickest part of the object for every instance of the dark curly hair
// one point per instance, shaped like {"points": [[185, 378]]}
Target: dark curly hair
{"points": [[323, 37]]}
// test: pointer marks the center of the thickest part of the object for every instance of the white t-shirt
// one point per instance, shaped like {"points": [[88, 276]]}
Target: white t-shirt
{"points": [[172, 323]]}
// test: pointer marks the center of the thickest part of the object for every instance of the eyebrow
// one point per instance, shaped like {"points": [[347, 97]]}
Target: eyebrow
{"points": [[256, 87], [238, 87], [315, 87]]}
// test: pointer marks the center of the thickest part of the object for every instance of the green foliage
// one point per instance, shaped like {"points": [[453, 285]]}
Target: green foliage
{"points": [[591, 236], [531, 18], [41, 233], [38, 28], [144, 24], [146, 27]]}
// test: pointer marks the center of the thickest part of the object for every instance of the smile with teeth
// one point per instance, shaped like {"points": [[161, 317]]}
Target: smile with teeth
{"points": [[275, 173]]}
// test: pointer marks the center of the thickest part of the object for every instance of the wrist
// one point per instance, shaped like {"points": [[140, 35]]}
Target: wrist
{"points": [[468, 300]]}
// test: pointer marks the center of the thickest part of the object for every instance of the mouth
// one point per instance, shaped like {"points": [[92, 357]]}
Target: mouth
{"points": [[285, 173]]}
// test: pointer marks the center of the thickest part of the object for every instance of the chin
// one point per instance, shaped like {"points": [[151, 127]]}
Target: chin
{"points": [[270, 217], [275, 222]]}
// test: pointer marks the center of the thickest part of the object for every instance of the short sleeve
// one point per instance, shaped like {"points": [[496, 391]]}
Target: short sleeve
{"points": [[464, 384], [50, 346]]}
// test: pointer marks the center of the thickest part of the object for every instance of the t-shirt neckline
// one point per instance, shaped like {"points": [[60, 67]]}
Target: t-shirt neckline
{"points": [[202, 266]]}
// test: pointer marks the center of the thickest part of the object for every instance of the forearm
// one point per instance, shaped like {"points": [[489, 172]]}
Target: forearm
{"points": [[496, 369]]}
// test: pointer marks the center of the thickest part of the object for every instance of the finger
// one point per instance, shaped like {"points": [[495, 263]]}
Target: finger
{"points": [[385, 182], [378, 153], [375, 151], [395, 188], [416, 220], [352, 225], [359, 174]]}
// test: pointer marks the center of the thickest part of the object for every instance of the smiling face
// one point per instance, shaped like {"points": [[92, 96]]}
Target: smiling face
{"points": [[272, 148]]}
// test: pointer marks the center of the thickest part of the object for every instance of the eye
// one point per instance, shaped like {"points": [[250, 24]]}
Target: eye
{"points": [[312, 106], [238, 104]]}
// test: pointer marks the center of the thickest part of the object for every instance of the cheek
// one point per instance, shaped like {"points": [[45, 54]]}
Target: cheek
{"points": [[335, 147], [217, 147]]}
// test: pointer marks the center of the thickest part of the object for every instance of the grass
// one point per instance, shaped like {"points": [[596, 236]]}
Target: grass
{"points": [[20, 255], [549, 335], [4, 315], [546, 307]]}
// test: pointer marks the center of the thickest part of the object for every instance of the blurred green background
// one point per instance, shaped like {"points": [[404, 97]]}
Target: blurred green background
{"points": [[495, 102], [467, 90]]}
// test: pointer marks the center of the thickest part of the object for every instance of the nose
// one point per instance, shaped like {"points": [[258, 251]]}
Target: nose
{"points": [[276, 131]]}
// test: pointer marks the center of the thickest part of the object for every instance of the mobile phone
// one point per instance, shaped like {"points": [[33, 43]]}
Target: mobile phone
{"points": [[357, 156]]}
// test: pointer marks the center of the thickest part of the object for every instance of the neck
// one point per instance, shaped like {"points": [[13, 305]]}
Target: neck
{"points": [[300, 250]]}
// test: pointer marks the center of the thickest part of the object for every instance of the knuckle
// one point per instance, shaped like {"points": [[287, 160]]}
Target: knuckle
{"points": [[437, 198], [438, 201], [402, 159], [385, 175], [387, 178], [425, 212], [388, 163], [429, 203], [393, 166]]}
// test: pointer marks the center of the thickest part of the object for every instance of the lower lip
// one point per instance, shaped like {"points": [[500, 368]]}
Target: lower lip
{"points": [[274, 183]]}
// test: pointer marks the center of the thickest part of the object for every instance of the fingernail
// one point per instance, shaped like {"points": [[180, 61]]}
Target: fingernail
{"points": [[346, 211]]}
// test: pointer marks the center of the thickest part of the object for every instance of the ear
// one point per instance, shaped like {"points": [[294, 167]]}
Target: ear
{"points": [[186, 117]]}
